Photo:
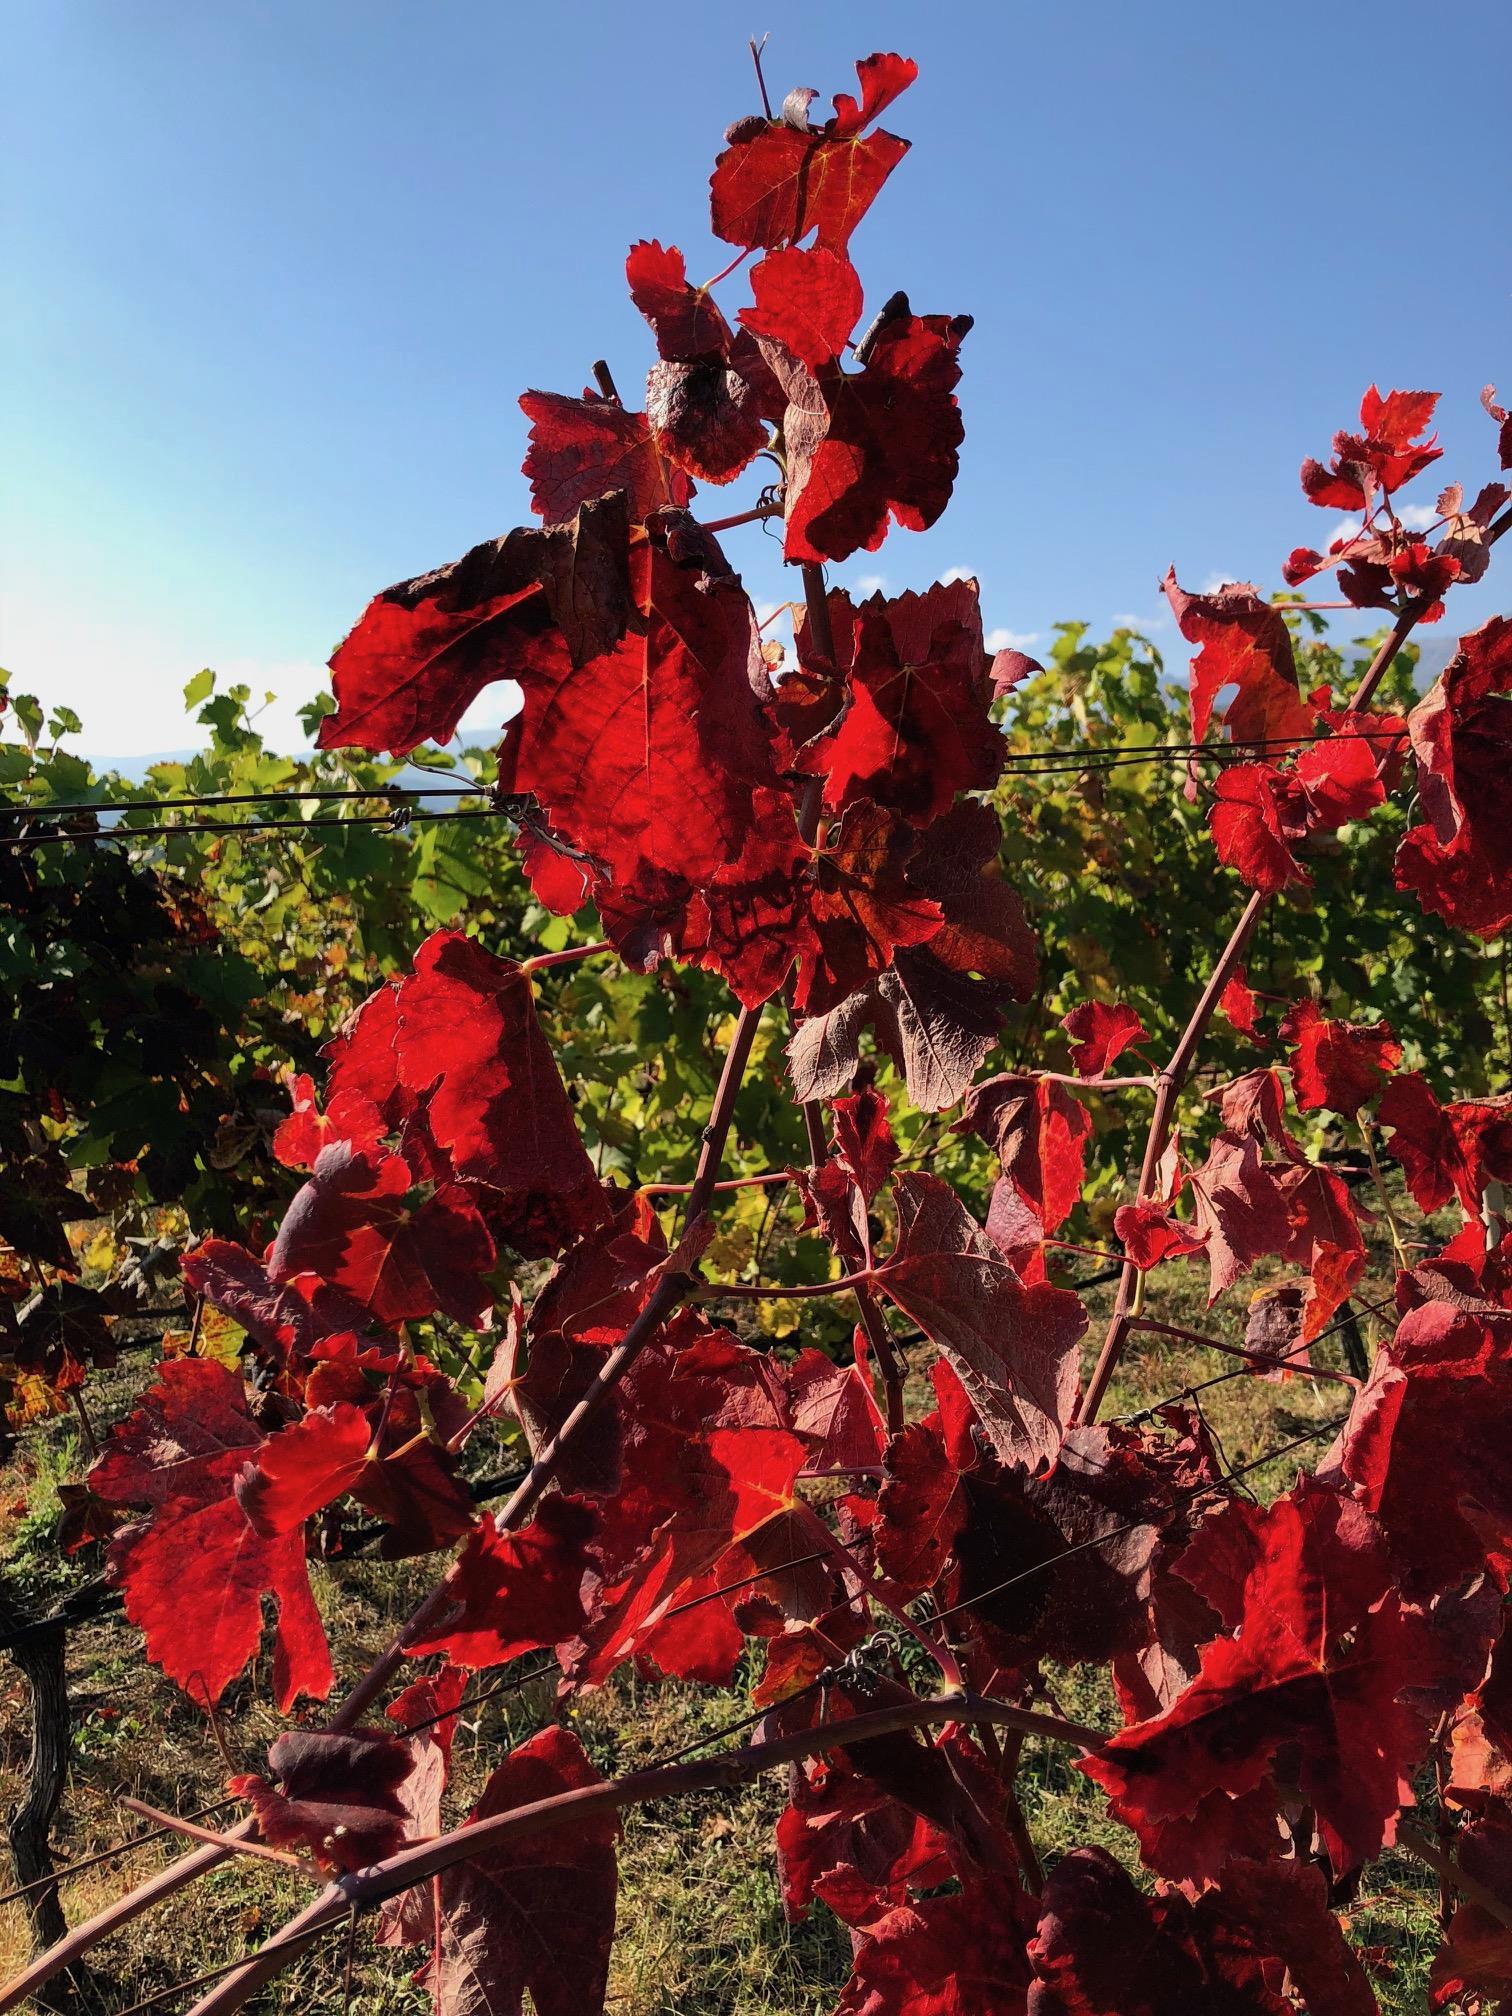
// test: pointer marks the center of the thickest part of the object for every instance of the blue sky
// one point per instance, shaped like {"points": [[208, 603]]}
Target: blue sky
{"points": [[279, 270]]}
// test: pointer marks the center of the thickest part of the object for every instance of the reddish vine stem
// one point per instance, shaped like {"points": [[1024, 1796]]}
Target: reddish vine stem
{"points": [[752, 517], [427, 1858], [1176, 1073], [171, 1823], [1269, 1361], [874, 1323], [1170, 1083], [768, 1176], [1005, 1761], [1149, 1082], [1428, 1851], [566, 956], [799, 1291]]}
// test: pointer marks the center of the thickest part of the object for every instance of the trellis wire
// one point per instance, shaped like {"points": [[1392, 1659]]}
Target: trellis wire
{"points": [[1133, 1525], [1047, 761], [298, 1944], [127, 1846], [1253, 1368]]}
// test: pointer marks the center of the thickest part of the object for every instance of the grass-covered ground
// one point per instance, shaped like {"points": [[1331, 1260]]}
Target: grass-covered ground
{"points": [[702, 1931]]}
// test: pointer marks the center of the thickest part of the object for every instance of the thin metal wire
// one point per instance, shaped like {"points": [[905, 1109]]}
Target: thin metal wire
{"points": [[127, 1846], [284, 792], [512, 1685], [296, 1945], [732, 1728], [1045, 761], [1133, 1525], [1252, 1367], [397, 820]]}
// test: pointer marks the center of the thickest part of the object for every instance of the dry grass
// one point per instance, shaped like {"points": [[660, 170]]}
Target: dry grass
{"points": [[702, 1931]]}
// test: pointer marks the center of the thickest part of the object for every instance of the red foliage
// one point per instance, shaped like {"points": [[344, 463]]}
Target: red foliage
{"points": [[780, 179], [820, 831], [1305, 1690], [539, 1916], [1384, 455], [1459, 861]]}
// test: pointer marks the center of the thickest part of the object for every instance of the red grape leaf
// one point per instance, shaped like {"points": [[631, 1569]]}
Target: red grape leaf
{"points": [[1340, 1065], [580, 449], [360, 1224], [1342, 775], [338, 1795], [1150, 1235], [514, 1592], [686, 320], [186, 1438], [847, 1843], [425, 649], [452, 1055], [978, 1533], [730, 1481], [1013, 1347], [1255, 1106], [194, 1575], [537, 1916], [1476, 1957], [1101, 1031], [1259, 815], [1308, 1683], [1446, 1151], [285, 1323], [646, 759], [1039, 1129], [1239, 1003], [932, 1013], [1459, 861], [779, 179], [1104, 1949], [807, 301], [916, 729], [864, 1140], [944, 1956], [1325, 1239], [303, 1468], [705, 418], [834, 1408], [877, 443], [1384, 455], [194, 1582], [1435, 1469], [1245, 643], [861, 908], [1240, 1212]]}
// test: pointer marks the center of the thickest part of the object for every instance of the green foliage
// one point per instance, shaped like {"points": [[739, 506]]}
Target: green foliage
{"points": [[159, 990], [1118, 870]]}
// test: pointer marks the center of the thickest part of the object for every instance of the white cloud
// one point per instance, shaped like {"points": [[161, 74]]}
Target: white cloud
{"points": [[1011, 640], [1124, 619], [957, 574], [1216, 581], [126, 680], [871, 584], [1417, 517], [1345, 529]]}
